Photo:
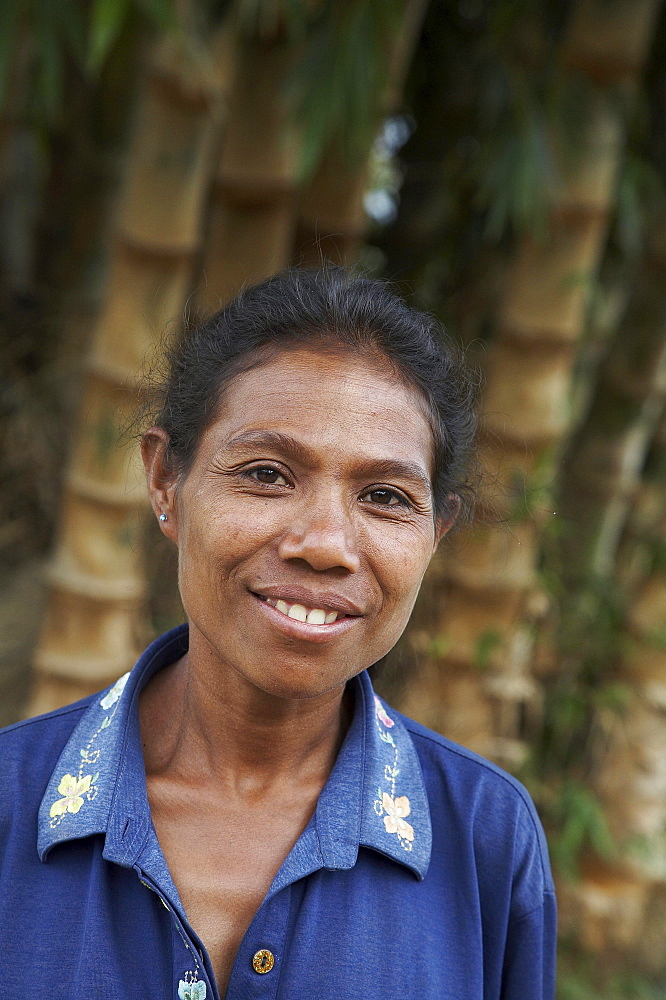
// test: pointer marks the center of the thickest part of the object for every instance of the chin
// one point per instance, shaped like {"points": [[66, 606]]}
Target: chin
{"points": [[299, 686], [300, 679]]}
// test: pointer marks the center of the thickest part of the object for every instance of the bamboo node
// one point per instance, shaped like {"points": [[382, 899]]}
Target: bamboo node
{"points": [[108, 494], [72, 581]]}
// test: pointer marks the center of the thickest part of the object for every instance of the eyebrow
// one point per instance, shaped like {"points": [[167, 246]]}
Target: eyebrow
{"points": [[270, 440], [388, 468], [379, 467]]}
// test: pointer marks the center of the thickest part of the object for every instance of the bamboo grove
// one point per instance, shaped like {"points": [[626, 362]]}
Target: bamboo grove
{"points": [[155, 156]]}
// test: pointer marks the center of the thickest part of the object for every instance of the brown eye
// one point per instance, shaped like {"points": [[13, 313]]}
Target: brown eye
{"points": [[268, 475], [385, 498]]}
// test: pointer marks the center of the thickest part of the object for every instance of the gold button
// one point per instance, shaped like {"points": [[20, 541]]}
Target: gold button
{"points": [[263, 961]]}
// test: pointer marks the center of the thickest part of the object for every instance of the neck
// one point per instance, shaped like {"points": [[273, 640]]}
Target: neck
{"points": [[201, 723]]}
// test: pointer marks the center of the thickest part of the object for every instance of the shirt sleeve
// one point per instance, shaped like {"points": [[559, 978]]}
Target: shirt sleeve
{"points": [[529, 963]]}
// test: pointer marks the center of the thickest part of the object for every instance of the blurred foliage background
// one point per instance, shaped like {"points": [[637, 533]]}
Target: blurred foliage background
{"points": [[503, 163]]}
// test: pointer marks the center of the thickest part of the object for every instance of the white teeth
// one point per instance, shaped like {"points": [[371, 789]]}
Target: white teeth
{"points": [[315, 616]]}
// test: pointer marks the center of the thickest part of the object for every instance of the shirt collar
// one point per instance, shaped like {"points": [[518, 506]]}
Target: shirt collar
{"points": [[99, 781], [375, 795]]}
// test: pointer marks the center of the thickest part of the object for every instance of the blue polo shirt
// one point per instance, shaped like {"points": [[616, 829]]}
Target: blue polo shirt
{"points": [[423, 872]]}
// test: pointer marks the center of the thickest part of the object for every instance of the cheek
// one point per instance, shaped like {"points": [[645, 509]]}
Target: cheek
{"points": [[400, 569], [201, 549], [210, 547], [241, 519]]}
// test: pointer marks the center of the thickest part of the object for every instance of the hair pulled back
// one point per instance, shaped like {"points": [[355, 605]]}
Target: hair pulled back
{"points": [[326, 307]]}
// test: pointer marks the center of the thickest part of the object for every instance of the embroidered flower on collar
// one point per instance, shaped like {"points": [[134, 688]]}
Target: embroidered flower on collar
{"points": [[381, 714], [112, 696], [394, 821], [393, 808], [73, 790], [192, 990]]}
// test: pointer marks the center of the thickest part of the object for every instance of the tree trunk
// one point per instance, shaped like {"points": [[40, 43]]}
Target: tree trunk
{"points": [[96, 586], [479, 687]]}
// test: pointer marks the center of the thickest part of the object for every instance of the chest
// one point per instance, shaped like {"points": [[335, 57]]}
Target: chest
{"points": [[223, 859], [367, 933]]}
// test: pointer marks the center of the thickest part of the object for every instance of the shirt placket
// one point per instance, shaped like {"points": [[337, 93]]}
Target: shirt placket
{"points": [[191, 978], [256, 970]]}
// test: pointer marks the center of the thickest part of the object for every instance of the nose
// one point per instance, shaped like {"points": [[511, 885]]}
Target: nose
{"points": [[323, 536]]}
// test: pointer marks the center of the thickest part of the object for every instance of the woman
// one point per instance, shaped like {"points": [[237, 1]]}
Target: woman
{"points": [[240, 816]]}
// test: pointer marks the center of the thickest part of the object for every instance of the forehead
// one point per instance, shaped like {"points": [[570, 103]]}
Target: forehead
{"points": [[333, 398]]}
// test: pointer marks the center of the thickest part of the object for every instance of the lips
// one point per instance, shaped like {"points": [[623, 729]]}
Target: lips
{"points": [[310, 609]]}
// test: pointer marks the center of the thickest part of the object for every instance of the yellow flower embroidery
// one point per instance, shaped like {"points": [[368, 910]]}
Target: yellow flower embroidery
{"points": [[396, 809], [72, 789]]}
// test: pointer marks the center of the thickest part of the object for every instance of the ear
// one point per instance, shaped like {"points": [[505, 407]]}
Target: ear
{"points": [[444, 524], [160, 480]]}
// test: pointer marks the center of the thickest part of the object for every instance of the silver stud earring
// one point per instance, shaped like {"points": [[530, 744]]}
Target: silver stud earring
{"points": [[163, 517]]}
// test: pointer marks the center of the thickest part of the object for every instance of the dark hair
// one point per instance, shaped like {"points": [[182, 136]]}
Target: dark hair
{"points": [[329, 307]]}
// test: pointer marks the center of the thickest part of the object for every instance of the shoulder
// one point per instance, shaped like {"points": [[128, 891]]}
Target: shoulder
{"points": [[462, 768], [59, 719], [30, 749], [478, 807]]}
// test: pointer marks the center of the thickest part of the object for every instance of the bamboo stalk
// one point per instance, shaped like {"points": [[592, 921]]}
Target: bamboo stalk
{"points": [[93, 624], [620, 525], [526, 412], [612, 903], [605, 457], [250, 214]]}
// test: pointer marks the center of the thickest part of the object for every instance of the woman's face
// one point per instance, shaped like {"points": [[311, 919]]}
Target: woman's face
{"points": [[309, 498]]}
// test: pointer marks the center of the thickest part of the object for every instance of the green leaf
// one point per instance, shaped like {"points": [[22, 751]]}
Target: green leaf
{"points": [[266, 17], [338, 86], [615, 696], [10, 16], [49, 58], [107, 18], [73, 30], [439, 647], [159, 12], [657, 639], [486, 645], [582, 823]]}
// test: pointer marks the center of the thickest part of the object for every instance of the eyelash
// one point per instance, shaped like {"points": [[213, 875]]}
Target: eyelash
{"points": [[402, 499], [250, 474]]}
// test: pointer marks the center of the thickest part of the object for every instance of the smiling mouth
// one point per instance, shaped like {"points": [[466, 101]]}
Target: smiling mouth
{"points": [[301, 613]]}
